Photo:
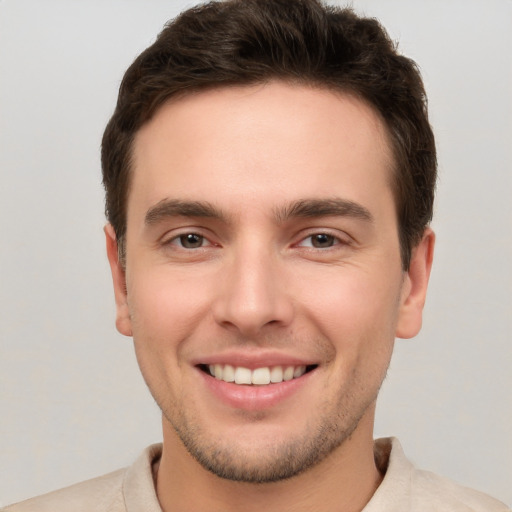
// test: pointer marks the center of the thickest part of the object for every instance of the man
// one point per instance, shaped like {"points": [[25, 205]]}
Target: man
{"points": [[269, 173]]}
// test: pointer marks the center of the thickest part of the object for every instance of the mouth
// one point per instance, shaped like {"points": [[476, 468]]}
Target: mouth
{"points": [[261, 376]]}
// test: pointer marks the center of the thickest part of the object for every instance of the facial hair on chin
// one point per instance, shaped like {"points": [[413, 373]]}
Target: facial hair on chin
{"points": [[275, 463]]}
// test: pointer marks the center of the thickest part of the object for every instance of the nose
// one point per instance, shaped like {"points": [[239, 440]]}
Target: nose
{"points": [[253, 294]]}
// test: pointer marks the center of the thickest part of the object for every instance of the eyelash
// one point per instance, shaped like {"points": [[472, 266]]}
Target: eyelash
{"points": [[179, 239], [333, 241]]}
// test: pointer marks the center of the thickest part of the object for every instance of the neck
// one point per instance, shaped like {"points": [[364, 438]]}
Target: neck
{"points": [[345, 480]]}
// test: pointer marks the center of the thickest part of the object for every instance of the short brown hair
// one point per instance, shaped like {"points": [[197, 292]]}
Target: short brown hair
{"points": [[242, 42]]}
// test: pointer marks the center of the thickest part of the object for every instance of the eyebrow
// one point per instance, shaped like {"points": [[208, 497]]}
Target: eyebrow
{"points": [[308, 208], [178, 208], [304, 208]]}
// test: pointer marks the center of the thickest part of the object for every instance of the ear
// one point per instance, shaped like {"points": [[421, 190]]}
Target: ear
{"points": [[123, 320], [414, 289]]}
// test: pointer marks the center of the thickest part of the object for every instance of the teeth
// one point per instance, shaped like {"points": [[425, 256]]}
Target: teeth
{"points": [[228, 374], [276, 374], [299, 371], [261, 376], [288, 373], [242, 376], [258, 376]]}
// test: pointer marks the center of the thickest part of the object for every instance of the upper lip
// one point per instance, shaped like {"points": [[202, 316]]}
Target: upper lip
{"points": [[251, 361]]}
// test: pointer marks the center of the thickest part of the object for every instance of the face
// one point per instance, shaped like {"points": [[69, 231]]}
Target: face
{"points": [[263, 285]]}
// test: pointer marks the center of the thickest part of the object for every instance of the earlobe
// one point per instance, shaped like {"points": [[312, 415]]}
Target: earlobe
{"points": [[415, 287], [123, 320]]}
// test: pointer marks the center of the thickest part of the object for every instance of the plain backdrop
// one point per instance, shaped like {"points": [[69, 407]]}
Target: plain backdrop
{"points": [[72, 403]]}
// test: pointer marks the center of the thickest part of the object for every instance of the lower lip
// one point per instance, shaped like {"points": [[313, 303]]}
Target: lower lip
{"points": [[254, 398]]}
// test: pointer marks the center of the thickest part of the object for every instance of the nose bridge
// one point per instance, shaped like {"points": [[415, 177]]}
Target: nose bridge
{"points": [[253, 294]]}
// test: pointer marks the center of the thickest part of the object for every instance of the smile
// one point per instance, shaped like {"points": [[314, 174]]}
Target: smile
{"points": [[251, 385], [257, 376]]}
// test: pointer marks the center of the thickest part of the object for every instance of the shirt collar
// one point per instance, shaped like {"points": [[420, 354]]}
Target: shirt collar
{"points": [[140, 495]]}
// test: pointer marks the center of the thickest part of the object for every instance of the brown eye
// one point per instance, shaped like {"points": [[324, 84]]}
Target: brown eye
{"points": [[322, 240], [191, 241]]}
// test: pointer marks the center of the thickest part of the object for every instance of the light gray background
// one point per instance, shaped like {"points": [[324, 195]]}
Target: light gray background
{"points": [[72, 403]]}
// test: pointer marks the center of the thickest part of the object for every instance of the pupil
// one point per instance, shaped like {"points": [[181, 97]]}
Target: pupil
{"points": [[191, 240], [323, 240]]}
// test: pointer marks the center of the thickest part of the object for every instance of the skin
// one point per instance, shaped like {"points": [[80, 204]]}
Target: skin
{"points": [[264, 280]]}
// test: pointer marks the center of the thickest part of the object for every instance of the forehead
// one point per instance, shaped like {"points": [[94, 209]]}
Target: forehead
{"points": [[260, 142]]}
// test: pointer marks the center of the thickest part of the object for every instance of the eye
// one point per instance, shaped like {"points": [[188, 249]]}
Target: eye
{"points": [[190, 241], [319, 241]]}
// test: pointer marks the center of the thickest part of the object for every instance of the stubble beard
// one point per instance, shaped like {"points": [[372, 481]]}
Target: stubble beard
{"points": [[274, 462]]}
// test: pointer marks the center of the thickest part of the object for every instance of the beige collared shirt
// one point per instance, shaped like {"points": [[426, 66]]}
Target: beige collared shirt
{"points": [[403, 488]]}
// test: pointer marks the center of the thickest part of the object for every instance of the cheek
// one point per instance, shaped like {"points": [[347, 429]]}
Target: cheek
{"points": [[165, 311], [354, 308], [166, 304]]}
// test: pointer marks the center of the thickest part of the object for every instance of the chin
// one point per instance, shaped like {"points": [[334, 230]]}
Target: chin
{"points": [[259, 453]]}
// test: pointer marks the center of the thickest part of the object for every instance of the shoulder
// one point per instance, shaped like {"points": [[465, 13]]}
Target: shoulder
{"points": [[100, 494], [444, 494], [406, 488], [131, 488]]}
